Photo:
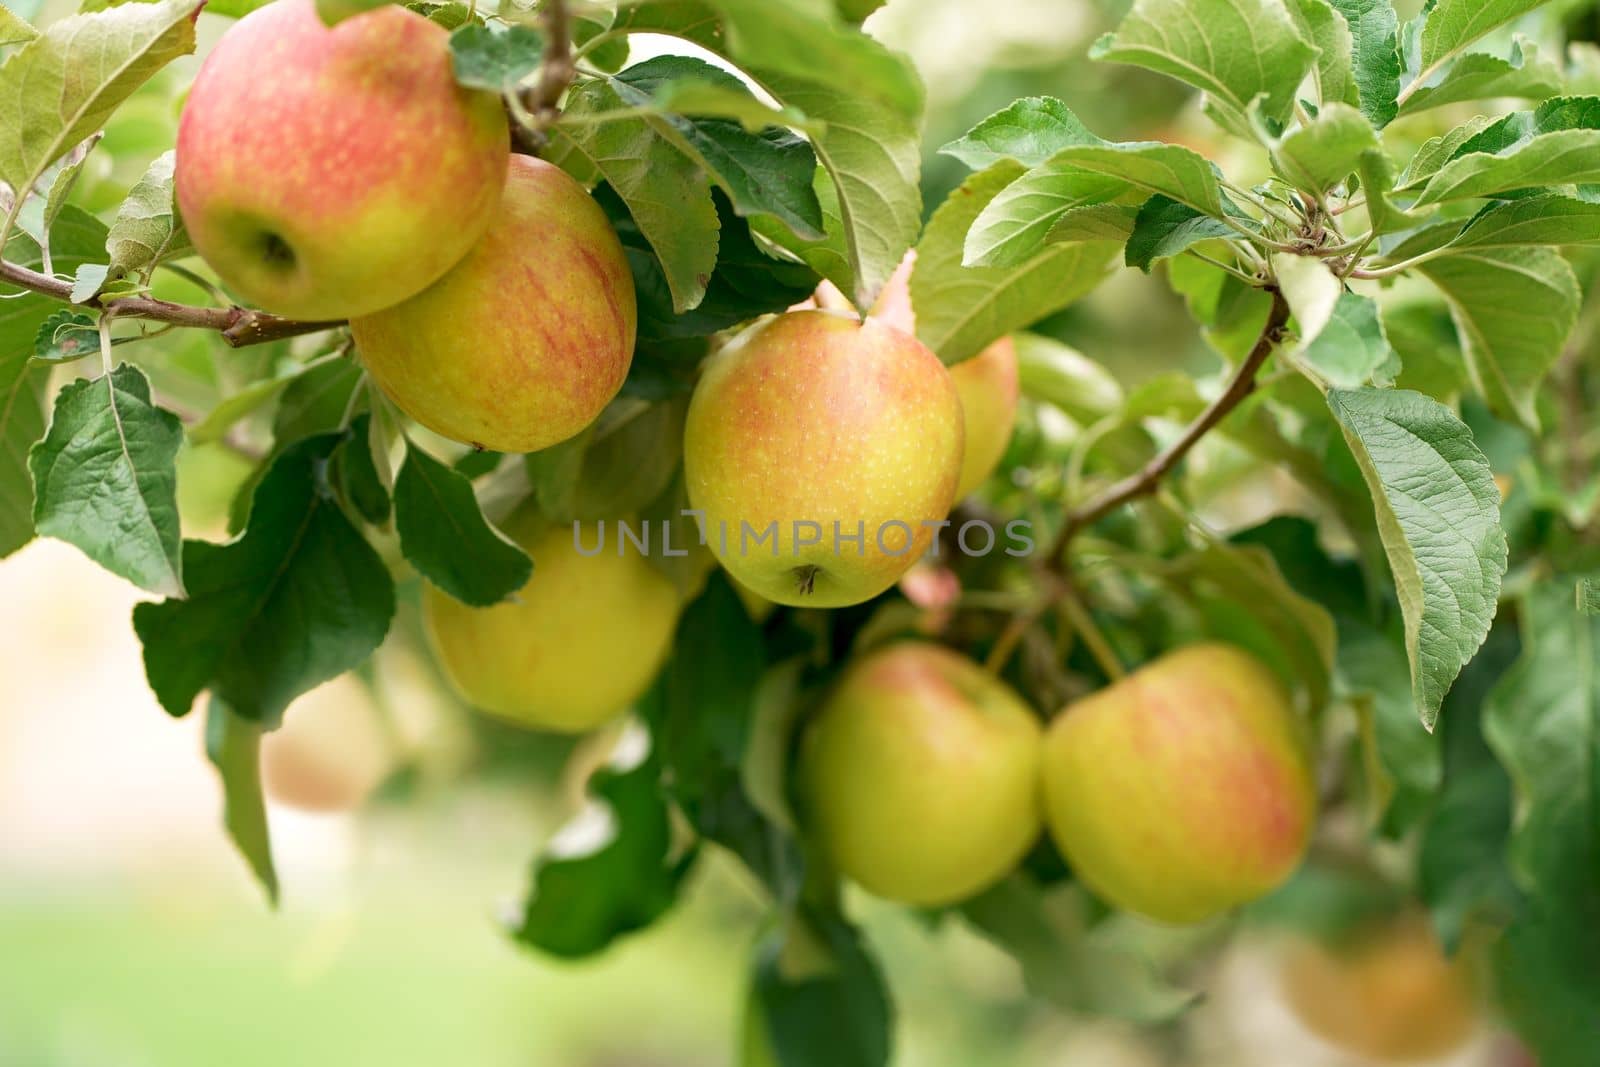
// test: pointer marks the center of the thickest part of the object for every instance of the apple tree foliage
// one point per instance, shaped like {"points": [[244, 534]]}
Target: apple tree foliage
{"points": [[1406, 334]]}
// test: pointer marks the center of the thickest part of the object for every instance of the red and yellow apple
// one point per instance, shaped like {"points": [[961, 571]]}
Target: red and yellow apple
{"points": [[575, 647], [821, 451], [331, 752], [325, 172], [1184, 789], [523, 343], [919, 776], [987, 383], [1389, 993]]}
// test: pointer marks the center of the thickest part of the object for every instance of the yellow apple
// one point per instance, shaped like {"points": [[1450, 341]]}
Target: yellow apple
{"points": [[524, 342], [821, 452], [1389, 994], [575, 647], [919, 776], [1184, 789], [325, 172], [331, 751]]}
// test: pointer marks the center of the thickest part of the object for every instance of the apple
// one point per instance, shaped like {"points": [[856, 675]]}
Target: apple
{"points": [[575, 647], [1184, 789], [524, 342], [821, 452], [919, 776], [331, 752], [987, 383], [1389, 993], [325, 172]]}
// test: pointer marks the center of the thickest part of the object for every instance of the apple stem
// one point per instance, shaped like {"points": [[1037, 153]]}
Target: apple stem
{"points": [[239, 327]]}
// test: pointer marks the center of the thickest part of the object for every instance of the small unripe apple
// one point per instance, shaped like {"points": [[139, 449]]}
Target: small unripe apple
{"points": [[575, 647], [987, 383], [1389, 994], [919, 776], [327, 171], [525, 340], [1184, 789], [822, 453], [331, 751]]}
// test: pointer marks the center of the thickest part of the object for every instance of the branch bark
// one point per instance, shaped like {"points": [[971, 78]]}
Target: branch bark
{"points": [[239, 327], [1144, 481], [541, 101]]}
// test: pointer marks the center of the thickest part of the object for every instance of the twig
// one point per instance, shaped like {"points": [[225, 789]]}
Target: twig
{"points": [[541, 101], [239, 327], [1145, 480]]}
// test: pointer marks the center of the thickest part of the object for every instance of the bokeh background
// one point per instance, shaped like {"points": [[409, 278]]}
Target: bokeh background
{"points": [[131, 935]]}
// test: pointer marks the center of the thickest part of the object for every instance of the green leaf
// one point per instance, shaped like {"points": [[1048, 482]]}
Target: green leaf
{"points": [[716, 98], [1439, 517], [1013, 226], [104, 479], [1165, 228], [747, 282], [234, 747], [14, 29], [1352, 350], [817, 999], [1233, 50], [1311, 289], [766, 173], [1056, 374], [60, 183], [1029, 131], [961, 310], [234, 9], [444, 535], [353, 474], [495, 58], [235, 406], [1328, 32], [1070, 964], [1166, 169], [67, 81], [148, 229], [316, 401], [586, 894], [695, 21], [296, 601], [1513, 308], [797, 39], [1375, 37], [78, 236], [1543, 720], [66, 336], [1480, 76], [1464, 875], [872, 158], [1451, 25], [668, 196], [1534, 220], [1320, 155], [87, 281], [1556, 143], [1095, 222], [1377, 180], [1437, 151]]}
